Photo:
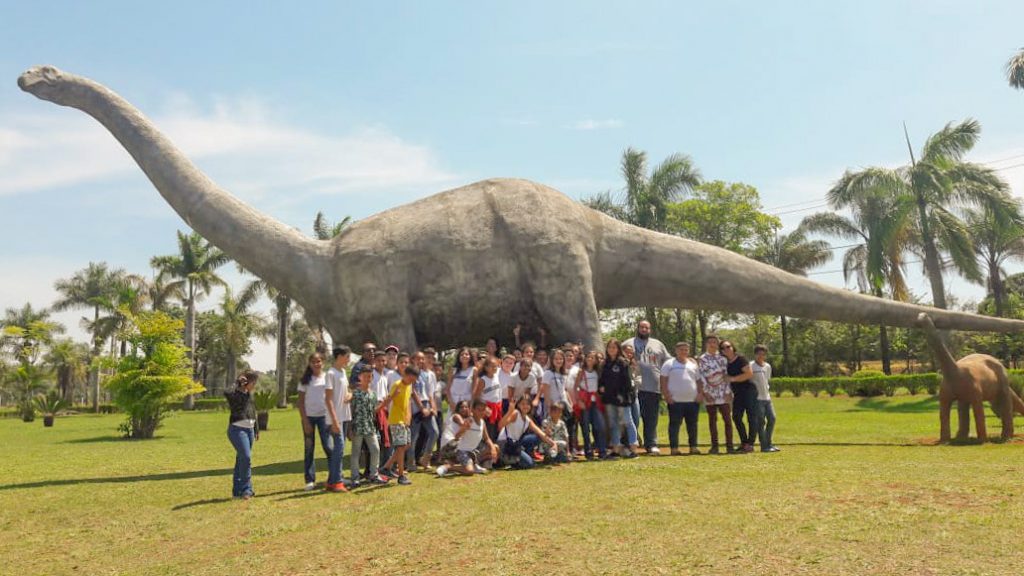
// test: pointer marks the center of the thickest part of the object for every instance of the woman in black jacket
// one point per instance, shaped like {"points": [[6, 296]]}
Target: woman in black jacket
{"points": [[616, 388], [242, 432]]}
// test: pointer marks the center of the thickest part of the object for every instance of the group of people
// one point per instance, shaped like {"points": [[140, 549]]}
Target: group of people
{"points": [[404, 412]]}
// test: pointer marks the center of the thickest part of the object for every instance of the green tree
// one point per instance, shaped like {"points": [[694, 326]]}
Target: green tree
{"points": [[89, 288], [235, 325], [194, 270], [27, 333], [995, 244], [163, 294], [283, 311], [937, 185], [880, 225], [723, 214], [156, 374], [25, 383], [129, 297], [70, 363], [1015, 70], [322, 230], [796, 254]]}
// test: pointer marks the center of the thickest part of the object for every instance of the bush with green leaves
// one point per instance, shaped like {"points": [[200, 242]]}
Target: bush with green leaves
{"points": [[154, 376], [265, 400], [50, 404], [24, 384], [862, 384]]}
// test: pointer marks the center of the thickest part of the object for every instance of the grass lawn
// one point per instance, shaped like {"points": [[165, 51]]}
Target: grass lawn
{"points": [[859, 488]]}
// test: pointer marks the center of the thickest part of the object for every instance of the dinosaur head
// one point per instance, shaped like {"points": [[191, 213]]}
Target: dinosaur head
{"points": [[925, 321], [43, 82]]}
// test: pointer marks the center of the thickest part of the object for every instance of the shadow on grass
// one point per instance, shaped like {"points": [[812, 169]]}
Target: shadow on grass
{"points": [[927, 404], [223, 500], [264, 470], [95, 440]]}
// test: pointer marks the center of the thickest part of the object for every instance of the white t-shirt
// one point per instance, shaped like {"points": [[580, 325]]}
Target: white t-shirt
{"points": [[589, 383], [570, 376], [520, 387], [393, 376], [451, 427], [428, 383], [515, 429], [471, 438], [682, 379], [462, 385], [556, 387], [535, 368], [316, 400], [504, 380], [762, 375], [492, 390], [337, 383], [379, 384]]}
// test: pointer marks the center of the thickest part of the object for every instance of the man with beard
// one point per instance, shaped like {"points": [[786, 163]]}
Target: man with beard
{"points": [[650, 354]]}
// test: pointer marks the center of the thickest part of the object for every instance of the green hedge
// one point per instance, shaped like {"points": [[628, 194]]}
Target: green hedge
{"points": [[859, 386], [210, 404]]}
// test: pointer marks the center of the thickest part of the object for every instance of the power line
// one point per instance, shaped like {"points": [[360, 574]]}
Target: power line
{"points": [[840, 270], [821, 204]]}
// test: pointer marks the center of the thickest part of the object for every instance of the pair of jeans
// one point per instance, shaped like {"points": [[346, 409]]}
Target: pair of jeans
{"points": [[677, 413], [635, 412], [242, 439], [372, 446], [522, 450], [592, 424], [332, 444], [764, 421], [620, 419], [421, 426], [744, 399], [650, 402], [726, 411]]}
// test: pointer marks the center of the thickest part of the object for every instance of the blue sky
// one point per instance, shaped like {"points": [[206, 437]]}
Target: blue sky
{"points": [[354, 108]]}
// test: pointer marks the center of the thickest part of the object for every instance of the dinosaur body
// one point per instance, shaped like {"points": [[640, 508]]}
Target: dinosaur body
{"points": [[971, 381], [464, 264]]}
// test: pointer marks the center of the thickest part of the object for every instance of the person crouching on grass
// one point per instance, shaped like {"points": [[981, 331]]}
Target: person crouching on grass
{"points": [[468, 446], [399, 419], [243, 433], [554, 427]]}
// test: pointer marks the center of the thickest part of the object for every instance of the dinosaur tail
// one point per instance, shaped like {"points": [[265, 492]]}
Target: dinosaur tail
{"points": [[635, 267], [1018, 404]]}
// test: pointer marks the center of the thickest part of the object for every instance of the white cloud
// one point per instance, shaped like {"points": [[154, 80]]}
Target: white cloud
{"points": [[249, 147], [591, 124]]}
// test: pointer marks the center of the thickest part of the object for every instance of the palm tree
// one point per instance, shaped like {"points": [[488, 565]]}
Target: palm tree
{"points": [[235, 325], [995, 243], [193, 270], [646, 196], [283, 306], [162, 293], [129, 298], [322, 230], [26, 332], [1015, 70], [937, 185], [89, 288], [880, 225], [70, 363], [795, 254]]}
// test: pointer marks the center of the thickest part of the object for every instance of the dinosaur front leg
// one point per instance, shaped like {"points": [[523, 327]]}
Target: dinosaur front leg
{"points": [[945, 407], [568, 307], [963, 412], [1006, 413], [979, 419]]}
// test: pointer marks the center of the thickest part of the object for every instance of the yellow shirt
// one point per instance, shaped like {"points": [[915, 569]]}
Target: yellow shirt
{"points": [[401, 394]]}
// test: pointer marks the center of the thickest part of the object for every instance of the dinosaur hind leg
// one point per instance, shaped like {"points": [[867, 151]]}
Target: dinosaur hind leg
{"points": [[979, 419], [963, 412], [1006, 415], [945, 406], [1018, 404]]}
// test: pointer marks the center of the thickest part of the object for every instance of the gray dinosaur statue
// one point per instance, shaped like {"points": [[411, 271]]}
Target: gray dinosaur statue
{"points": [[470, 262]]}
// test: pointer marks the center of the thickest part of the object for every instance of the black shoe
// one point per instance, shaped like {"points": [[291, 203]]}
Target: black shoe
{"points": [[714, 450]]}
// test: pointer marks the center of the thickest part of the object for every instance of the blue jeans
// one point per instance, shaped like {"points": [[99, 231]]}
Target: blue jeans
{"points": [[523, 450], [333, 446], [635, 412], [592, 424], [650, 402], [619, 418], [428, 428], [242, 439], [764, 422]]}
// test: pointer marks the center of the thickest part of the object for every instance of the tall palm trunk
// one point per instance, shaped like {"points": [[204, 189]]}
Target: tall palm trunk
{"points": [[190, 339], [282, 350], [932, 264], [995, 282], [785, 347], [231, 369], [883, 340], [94, 371], [652, 317]]}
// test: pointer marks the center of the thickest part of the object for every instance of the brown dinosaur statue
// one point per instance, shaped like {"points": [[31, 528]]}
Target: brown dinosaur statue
{"points": [[464, 264], [970, 382]]}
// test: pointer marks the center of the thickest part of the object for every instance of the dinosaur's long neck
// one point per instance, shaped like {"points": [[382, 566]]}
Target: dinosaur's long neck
{"points": [[947, 364], [634, 267], [261, 244]]}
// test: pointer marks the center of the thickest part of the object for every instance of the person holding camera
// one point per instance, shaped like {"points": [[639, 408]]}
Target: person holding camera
{"points": [[242, 432]]}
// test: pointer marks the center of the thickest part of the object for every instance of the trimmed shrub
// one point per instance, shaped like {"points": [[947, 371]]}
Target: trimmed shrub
{"points": [[865, 385], [209, 404]]}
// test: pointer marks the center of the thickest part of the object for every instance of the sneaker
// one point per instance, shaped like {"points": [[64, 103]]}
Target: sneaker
{"points": [[480, 470], [747, 448], [694, 451], [771, 449], [246, 496], [355, 483], [610, 456], [441, 470], [379, 480], [631, 455], [339, 487], [310, 486], [731, 450], [677, 452], [388, 473], [653, 451], [488, 465], [404, 480]]}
